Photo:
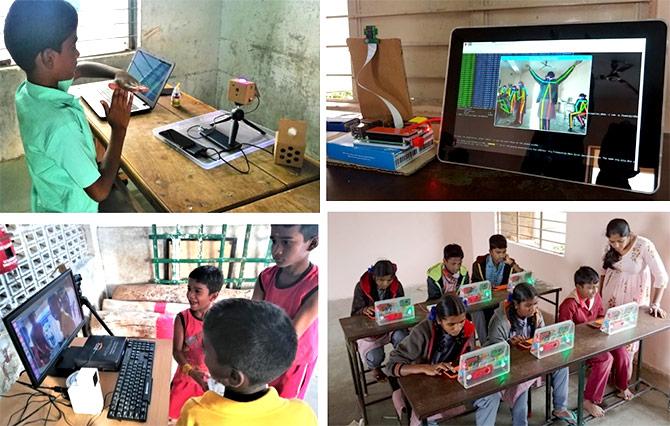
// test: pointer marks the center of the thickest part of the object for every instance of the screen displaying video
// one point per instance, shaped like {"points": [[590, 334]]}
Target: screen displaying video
{"points": [[572, 105], [45, 327]]}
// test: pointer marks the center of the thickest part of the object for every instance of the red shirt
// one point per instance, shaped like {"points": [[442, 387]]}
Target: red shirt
{"points": [[574, 308]]}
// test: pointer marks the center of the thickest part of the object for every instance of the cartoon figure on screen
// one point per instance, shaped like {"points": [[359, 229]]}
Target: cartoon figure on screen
{"points": [[580, 112], [519, 102], [548, 95]]}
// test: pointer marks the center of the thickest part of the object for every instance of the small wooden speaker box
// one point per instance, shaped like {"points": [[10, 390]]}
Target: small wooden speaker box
{"points": [[290, 141]]}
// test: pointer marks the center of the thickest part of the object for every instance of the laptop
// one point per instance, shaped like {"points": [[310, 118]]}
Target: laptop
{"points": [[575, 102], [150, 70]]}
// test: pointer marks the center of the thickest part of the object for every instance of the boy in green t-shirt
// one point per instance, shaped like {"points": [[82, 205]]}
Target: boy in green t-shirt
{"points": [[41, 37]]}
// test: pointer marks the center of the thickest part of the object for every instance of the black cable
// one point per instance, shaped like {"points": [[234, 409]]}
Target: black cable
{"points": [[259, 147], [258, 97], [52, 401], [233, 167]]}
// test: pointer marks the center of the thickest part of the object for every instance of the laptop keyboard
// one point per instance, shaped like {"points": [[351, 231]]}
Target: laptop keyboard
{"points": [[106, 94]]}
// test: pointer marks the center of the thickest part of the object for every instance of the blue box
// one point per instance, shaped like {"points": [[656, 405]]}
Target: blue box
{"points": [[385, 158]]}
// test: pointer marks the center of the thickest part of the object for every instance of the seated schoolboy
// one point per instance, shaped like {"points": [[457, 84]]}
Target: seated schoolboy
{"points": [[41, 37], [247, 344], [190, 379], [293, 284], [448, 275], [516, 321], [496, 267], [584, 304], [379, 282], [434, 345]]}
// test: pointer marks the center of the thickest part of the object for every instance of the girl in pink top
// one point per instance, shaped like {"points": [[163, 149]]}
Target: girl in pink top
{"points": [[292, 284], [190, 379]]}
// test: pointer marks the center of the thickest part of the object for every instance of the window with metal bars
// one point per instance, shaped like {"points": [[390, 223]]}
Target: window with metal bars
{"points": [[337, 62], [105, 27], [540, 230]]}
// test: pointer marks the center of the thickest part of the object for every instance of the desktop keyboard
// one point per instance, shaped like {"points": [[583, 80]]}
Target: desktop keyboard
{"points": [[132, 394]]}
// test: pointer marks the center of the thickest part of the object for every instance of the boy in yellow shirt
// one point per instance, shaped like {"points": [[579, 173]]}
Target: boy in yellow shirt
{"points": [[247, 345]]}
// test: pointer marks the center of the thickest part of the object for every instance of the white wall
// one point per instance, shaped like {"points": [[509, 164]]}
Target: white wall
{"points": [[414, 241]]}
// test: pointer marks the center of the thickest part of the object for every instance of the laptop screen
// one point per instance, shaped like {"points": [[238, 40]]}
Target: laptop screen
{"points": [[577, 99], [151, 72]]}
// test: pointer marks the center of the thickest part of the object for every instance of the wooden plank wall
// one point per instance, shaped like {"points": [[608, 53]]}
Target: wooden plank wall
{"points": [[425, 26]]}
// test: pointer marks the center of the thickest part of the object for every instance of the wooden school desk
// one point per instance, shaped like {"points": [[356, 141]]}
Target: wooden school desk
{"points": [[358, 327], [173, 183], [158, 408], [431, 395], [439, 181]]}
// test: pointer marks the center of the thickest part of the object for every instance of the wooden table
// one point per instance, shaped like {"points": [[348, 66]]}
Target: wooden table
{"points": [[173, 183], [359, 326], [158, 408], [438, 181], [303, 199], [431, 395]]}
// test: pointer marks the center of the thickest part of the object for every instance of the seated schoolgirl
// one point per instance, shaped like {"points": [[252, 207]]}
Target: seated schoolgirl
{"points": [[379, 282], [515, 321], [431, 348]]}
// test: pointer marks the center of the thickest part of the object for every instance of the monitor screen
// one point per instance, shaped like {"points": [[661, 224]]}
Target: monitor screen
{"points": [[43, 326], [150, 71], [559, 101]]}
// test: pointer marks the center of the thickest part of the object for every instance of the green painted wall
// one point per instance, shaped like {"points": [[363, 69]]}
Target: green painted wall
{"points": [[276, 44]]}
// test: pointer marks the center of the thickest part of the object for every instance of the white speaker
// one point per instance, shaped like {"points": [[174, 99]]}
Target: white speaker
{"points": [[83, 388]]}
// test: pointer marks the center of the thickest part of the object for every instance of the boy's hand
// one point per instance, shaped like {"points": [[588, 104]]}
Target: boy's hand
{"points": [[127, 82], [118, 114], [369, 312], [508, 260], [517, 339], [200, 377]]}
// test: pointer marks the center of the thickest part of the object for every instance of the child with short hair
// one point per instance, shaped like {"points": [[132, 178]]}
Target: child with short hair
{"points": [[431, 348], [190, 379], [247, 344], [496, 267], [41, 37], [515, 321], [449, 275], [293, 284], [582, 305], [379, 282]]}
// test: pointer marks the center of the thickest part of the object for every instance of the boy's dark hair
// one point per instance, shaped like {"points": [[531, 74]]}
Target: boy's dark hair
{"points": [[209, 275], [453, 250], [308, 231], [497, 241], [254, 337], [586, 275], [450, 305], [383, 268], [32, 26]]}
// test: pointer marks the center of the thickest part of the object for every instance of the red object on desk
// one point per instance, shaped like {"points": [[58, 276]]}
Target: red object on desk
{"points": [[551, 345], [484, 371], [500, 287]]}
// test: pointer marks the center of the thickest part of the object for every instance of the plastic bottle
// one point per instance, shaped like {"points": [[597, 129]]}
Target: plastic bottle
{"points": [[175, 99]]}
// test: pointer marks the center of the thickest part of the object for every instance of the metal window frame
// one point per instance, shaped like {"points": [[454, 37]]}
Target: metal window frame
{"points": [[503, 219]]}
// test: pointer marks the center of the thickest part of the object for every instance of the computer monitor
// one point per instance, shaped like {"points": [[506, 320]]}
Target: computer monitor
{"points": [[152, 72], [43, 326], [576, 102]]}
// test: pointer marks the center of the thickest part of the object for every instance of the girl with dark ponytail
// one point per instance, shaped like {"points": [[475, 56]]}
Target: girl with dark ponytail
{"points": [[379, 282], [432, 348], [515, 321]]}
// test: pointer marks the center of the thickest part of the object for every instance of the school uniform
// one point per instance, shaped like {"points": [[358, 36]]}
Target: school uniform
{"points": [[58, 146], [504, 326], [586, 310], [427, 343], [366, 294]]}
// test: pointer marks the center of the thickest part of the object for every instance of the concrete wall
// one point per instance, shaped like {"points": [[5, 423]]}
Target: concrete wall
{"points": [[414, 241], [276, 44]]}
